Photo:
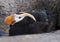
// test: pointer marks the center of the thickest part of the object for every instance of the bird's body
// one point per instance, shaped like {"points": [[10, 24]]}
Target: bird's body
{"points": [[26, 27], [21, 27], [29, 24]]}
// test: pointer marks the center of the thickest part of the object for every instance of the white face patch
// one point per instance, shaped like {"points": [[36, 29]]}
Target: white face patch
{"points": [[17, 18], [20, 17]]}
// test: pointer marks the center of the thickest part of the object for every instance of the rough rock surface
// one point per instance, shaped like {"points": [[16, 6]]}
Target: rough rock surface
{"points": [[47, 37]]}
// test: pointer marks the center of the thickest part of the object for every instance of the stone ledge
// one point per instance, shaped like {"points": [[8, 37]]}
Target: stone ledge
{"points": [[47, 37]]}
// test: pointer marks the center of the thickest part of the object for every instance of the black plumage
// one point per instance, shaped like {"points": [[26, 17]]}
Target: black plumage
{"points": [[21, 27], [29, 26]]}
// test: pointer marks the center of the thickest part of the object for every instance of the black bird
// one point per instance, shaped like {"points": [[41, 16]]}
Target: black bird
{"points": [[24, 23], [19, 24]]}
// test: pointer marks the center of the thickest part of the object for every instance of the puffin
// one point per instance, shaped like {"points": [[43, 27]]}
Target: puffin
{"points": [[25, 23], [19, 23]]}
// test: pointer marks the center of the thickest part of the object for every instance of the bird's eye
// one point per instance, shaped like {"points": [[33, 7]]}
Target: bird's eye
{"points": [[19, 17]]}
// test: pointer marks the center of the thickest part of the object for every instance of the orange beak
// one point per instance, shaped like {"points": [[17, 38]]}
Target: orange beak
{"points": [[8, 20]]}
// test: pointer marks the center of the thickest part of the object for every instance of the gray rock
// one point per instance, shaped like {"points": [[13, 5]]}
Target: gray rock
{"points": [[47, 37]]}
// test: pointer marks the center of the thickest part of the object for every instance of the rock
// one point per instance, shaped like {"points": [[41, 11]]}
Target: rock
{"points": [[47, 37]]}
